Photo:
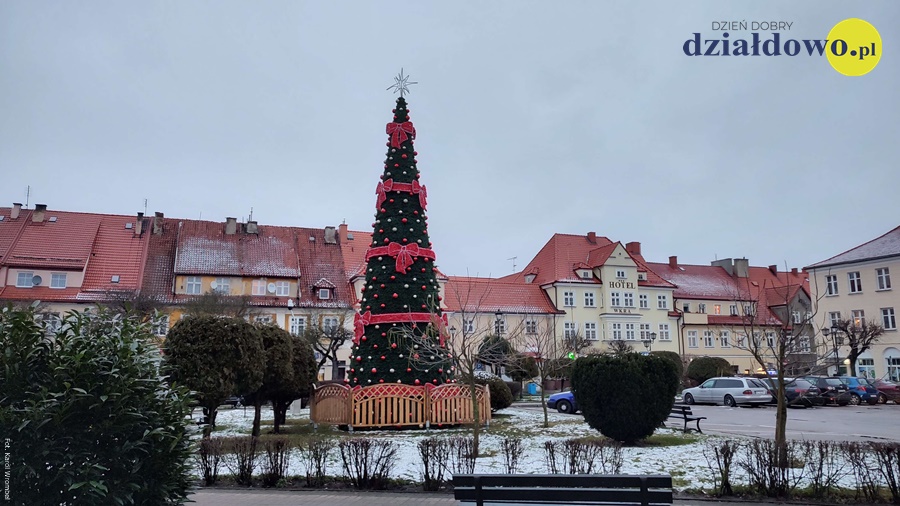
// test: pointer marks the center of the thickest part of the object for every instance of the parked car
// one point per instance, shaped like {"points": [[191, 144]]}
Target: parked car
{"points": [[564, 402], [860, 390], [887, 390], [797, 392], [832, 389], [728, 391]]}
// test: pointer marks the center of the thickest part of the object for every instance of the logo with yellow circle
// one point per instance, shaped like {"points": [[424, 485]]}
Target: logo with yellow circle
{"points": [[854, 47]]}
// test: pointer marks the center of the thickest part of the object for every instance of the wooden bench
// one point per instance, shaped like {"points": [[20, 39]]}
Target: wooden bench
{"points": [[581, 489], [685, 413]]}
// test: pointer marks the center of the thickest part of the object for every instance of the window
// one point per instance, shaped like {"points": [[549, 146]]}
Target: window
{"points": [[192, 285], [686, 307], [796, 316], [662, 302], [52, 321], [614, 299], [865, 367], [887, 318], [329, 323], [859, 317], [263, 318], [586, 274], [701, 308], [616, 331], [629, 299], [645, 331], [282, 288], [620, 274], [530, 327], [629, 332], [499, 326], [590, 331], [692, 339], [717, 308], [831, 285], [883, 277], [297, 325], [25, 280], [748, 309], [664, 332], [732, 309], [642, 300], [570, 329], [223, 286], [569, 299], [770, 339], [161, 325], [469, 325], [324, 293], [834, 318], [588, 299], [58, 280], [725, 339], [258, 287], [854, 281], [804, 344], [708, 340], [742, 340]]}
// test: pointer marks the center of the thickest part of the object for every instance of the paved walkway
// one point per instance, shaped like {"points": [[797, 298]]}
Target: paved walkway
{"points": [[228, 497]]}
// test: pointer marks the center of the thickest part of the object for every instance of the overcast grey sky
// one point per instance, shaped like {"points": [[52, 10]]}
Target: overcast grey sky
{"points": [[532, 118]]}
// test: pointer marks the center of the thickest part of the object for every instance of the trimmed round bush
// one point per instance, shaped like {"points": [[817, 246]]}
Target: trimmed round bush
{"points": [[675, 358], [624, 397], [501, 395], [702, 368]]}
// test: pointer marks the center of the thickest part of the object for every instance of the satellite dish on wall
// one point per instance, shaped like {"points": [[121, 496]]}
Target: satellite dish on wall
{"points": [[37, 280], [271, 287], [213, 285]]}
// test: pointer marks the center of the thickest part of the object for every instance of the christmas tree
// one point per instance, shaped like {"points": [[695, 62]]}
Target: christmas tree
{"points": [[400, 313]]}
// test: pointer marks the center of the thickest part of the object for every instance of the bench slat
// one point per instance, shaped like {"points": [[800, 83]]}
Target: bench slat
{"points": [[563, 495], [564, 480]]}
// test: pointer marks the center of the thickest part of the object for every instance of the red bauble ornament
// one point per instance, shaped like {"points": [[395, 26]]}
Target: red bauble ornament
{"points": [[395, 295], [417, 382], [391, 201], [424, 287], [414, 212], [393, 278], [415, 152], [404, 239], [375, 296], [374, 370], [403, 156], [396, 165], [386, 240], [381, 381], [382, 209], [440, 298], [382, 305], [382, 357], [416, 356], [408, 369], [384, 334], [435, 382], [403, 220], [393, 345], [375, 346], [380, 230], [359, 359], [382, 285], [363, 338], [423, 306]]}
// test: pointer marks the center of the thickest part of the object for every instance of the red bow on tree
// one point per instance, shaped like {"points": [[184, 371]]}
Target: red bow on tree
{"points": [[381, 191], [359, 325], [418, 189], [404, 255], [440, 324], [399, 131]]}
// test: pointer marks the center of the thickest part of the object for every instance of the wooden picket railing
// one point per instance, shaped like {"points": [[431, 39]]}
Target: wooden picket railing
{"points": [[396, 405]]}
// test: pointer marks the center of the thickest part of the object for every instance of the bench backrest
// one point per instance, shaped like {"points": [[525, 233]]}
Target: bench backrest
{"points": [[564, 488], [682, 410]]}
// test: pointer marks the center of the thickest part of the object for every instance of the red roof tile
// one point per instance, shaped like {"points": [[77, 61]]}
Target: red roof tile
{"points": [[159, 276], [320, 263], [41, 293], [11, 229], [63, 244], [116, 252], [698, 281], [204, 248], [487, 295], [354, 253], [555, 260]]}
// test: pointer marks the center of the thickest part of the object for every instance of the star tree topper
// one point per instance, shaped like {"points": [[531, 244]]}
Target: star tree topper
{"points": [[400, 83]]}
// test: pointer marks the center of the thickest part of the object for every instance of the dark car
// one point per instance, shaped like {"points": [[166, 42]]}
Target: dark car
{"points": [[797, 392], [860, 390], [833, 390], [564, 402], [887, 390]]}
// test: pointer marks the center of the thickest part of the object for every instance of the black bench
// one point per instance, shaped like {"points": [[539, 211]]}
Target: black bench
{"points": [[582, 489], [685, 413]]}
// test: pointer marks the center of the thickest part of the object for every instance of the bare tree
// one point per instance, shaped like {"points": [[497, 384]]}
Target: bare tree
{"points": [[327, 339], [859, 335], [216, 303], [576, 343], [540, 341], [619, 347]]}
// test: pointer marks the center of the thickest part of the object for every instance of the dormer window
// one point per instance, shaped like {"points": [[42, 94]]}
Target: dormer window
{"points": [[642, 276], [620, 274], [585, 274], [529, 278], [324, 293]]}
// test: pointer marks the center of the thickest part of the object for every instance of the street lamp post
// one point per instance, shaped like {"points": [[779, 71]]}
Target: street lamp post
{"points": [[836, 341], [649, 340]]}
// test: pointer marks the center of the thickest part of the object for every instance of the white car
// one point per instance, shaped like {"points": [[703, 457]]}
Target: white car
{"points": [[728, 391]]}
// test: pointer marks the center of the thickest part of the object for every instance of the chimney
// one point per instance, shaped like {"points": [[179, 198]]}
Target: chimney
{"points": [[342, 229], [741, 267], [726, 264], [230, 226], [39, 210], [673, 262], [251, 227], [329, 236], [139, 224], [633, 248], [794, 271], [592, 237], [773, 269], [158, 223], [14, 212]]}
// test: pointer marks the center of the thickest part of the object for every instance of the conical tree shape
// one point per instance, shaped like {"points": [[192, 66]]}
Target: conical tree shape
{"points": [[398, 332]]}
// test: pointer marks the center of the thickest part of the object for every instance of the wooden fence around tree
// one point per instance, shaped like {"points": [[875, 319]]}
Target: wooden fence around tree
{"points": [[395, 405]]}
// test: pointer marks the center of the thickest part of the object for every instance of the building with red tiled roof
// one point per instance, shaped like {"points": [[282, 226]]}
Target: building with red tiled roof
{"points": [[856, 286]]}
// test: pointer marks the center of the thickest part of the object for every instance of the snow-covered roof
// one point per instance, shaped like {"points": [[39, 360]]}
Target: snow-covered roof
{"points": [[887, 245]]}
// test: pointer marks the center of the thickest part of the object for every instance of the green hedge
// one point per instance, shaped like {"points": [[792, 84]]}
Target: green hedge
{"points": [[702, 368]]}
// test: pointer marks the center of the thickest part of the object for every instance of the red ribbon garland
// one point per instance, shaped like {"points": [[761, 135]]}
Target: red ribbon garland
{"points": [[361, 320], [399, 132], [404, 253], [414, 188]]}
